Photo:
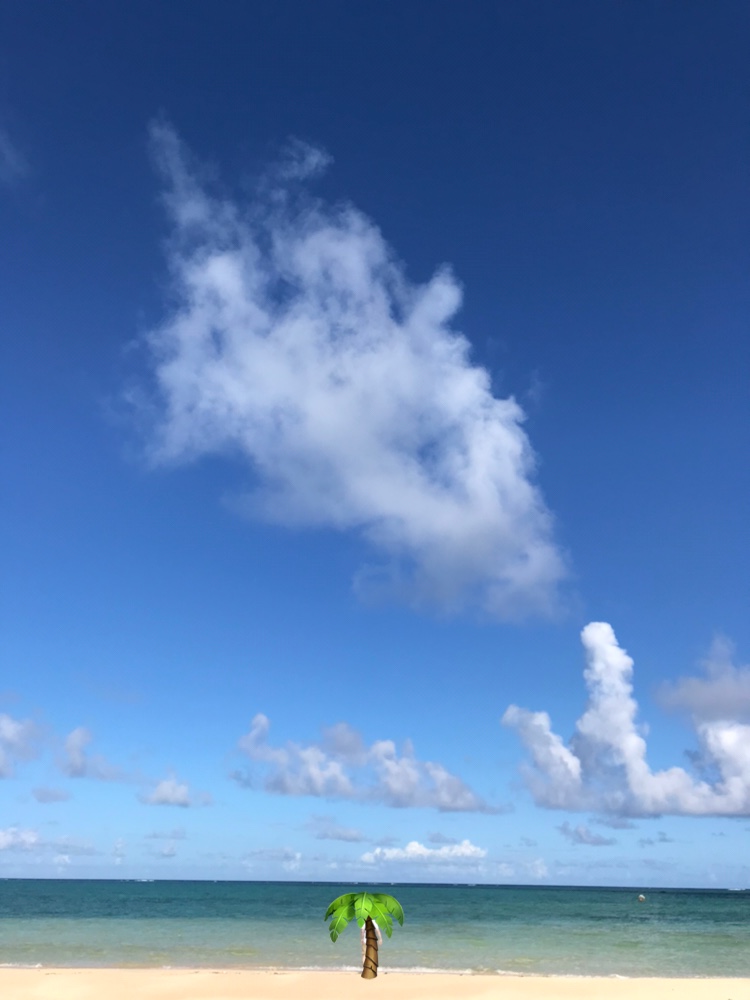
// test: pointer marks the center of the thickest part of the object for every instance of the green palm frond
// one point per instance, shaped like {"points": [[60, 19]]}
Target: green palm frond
{"points": [[381, 912], [361, 905], [344, 900], [392, 905], [341, 917]]}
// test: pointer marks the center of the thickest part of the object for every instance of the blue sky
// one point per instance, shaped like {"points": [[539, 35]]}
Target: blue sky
{"points": [[375, 423]]}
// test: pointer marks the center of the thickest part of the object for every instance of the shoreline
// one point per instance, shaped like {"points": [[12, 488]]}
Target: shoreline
{"points": [[238, 984], [10, 967]]}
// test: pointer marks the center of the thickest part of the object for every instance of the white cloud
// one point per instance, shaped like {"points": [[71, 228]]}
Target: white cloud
{"points": [[14, 839], [538, 868], [77, 763], [582, 835], [398, 780], [17, 743], [724, 693], [555, 779], [414, 851], [297, 344], [169, 792], [605, 767]]}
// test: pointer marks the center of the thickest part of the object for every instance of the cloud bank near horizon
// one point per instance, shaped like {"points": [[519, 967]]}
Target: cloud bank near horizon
{"points": [[604, 768], [295, 342], [414, 851]]}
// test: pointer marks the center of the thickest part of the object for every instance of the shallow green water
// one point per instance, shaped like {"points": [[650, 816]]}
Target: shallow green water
{"points": [[489, 929]]}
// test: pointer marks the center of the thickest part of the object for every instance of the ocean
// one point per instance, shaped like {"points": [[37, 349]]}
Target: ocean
{"points": [[447, 928]]}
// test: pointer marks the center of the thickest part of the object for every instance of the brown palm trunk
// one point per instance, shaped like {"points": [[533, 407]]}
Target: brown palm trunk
{"points": [[370, 967]]}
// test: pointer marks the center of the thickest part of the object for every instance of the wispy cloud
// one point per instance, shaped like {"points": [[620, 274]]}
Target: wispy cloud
{"points": [[537, 868], [14, 838], [440, 838], [326, 828], [605, 767], [582, 835], [661, 838], [47, 795], [615, 822], [724, 693], [119, 851], [325, 770], [177, 834], [78, 763], [18, 742], [287, 858], [13, 164], [414, 851], [297, 343]]}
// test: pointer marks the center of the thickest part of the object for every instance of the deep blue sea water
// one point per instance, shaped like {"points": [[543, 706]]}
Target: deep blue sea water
{"points": [[280, 925]]}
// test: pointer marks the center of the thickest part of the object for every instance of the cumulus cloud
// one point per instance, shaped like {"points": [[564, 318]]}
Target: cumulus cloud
{"points": [[171, 792], [78, 763], [296, 343], [414, 851], [14, 839], [18, 742], [724, 693], [324, 770], [604, 768], [582, 835]]}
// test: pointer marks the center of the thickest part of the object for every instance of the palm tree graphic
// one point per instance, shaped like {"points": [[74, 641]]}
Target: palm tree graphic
{"points": [[366, 908]]}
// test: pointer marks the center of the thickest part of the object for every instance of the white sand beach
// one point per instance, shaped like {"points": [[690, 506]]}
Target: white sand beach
{"points": [[233, 984]]}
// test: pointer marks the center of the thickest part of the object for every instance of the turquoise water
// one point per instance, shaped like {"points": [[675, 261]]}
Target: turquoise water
{"points": [[483, 929]]}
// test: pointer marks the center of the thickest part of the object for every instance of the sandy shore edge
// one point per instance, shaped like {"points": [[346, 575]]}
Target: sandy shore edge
{"points": [[233, 984]]}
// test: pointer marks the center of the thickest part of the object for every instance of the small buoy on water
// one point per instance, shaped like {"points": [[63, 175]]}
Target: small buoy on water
{"points": [[641, 898]]}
